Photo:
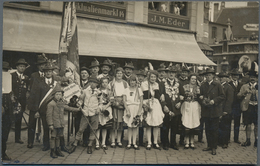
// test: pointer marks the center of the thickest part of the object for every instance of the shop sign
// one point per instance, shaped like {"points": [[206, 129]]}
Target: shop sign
{"points": [[170, 21], [251, 27], [100, 10]]}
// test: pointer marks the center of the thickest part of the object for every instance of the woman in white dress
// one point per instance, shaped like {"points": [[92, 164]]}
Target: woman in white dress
{"points": [[118, 88], [105, 115], [190, 110], [134, 102], [153, 115]]}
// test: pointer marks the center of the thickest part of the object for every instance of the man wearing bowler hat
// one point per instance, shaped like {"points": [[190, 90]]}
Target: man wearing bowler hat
{"points": [[94, 68], [129, 68], [225, 120], [20, 85], [236, 110], [212, 95], [105, 68], [249, 106], [36, 78]]}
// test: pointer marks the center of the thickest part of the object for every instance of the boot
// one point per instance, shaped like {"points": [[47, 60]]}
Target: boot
{"points": [[62, 145], [53, 154], [72, 149], [58, 152]]}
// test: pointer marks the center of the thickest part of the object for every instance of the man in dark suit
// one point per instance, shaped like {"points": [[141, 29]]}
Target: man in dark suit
{"points": [[128, 68], [212, 95], [225, 120], [105, 67], [43, 87], [36, 77], [20, 84], [171, 110], [236, 110], [84, 76]]}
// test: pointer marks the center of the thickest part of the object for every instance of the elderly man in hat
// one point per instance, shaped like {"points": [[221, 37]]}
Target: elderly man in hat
{"points": [[7, 111], [236, 110], [89, 99], [249, 106], [20, 84], [43, 87], [94, 68], [161, 73], [171, 110], [128, 68], [105, 67], [225, 120], [212, 95], [36, 77]]}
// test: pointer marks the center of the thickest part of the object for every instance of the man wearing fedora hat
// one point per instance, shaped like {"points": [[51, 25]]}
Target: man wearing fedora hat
{"points": [[249, 106], [20, 85], [128, 68], [36, 77], [212, 95], [94, 68], [7, 114], [225, 120], [43, 87], [105, 68], [236, 110]]}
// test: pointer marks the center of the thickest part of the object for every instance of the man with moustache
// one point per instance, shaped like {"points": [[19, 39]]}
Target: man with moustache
{"points": [[225, 120], [20, 85], [236, 110], [36, 77], [249, 106], [212, 95], [105, 68], [128, 68], [94, 68]]}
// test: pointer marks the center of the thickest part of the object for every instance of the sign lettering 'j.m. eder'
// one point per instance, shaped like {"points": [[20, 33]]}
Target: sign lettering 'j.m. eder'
{"points": [[168, 21], [100, 10]]}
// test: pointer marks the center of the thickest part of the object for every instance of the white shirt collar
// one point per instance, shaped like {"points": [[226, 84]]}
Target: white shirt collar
{"points": [[19, 74], [210, 82], [48, 80]]}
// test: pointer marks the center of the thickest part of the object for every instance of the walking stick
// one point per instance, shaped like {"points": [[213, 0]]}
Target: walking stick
{"points": [[72, 123], [92, 130], [68, 128]]}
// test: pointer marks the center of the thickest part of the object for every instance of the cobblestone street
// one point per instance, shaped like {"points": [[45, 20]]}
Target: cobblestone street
{"points": [[234, 154]]}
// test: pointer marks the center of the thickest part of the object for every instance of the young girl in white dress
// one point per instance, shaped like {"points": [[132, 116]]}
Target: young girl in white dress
{"points": [[105, 115], [134, 102]]}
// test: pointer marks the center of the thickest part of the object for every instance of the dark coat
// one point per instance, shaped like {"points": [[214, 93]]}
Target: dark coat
{"points": [[215, 92], [20, 88], [170, 103], [236, 91], [227, 103], [35, 98]]}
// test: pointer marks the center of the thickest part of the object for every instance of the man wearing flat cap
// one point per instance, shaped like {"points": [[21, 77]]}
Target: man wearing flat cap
{"points": [[212, 95], [20, 85], [249, 106], [236, 110], [36, 77], [225, 120]]}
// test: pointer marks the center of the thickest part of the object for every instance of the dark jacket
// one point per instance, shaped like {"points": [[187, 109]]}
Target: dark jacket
{"points": [[236, 91], [227, 103], [55, 113], [20, 87], [214, 92]]}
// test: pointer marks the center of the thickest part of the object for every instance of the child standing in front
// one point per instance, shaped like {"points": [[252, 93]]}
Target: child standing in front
{"points": [[133, 112], [55, 120]]}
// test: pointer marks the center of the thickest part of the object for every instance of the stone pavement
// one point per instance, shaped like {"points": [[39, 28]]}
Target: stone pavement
{"points": [[234, 154]]}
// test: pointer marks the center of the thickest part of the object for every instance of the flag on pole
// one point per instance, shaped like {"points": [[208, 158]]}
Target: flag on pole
{"points": [[68, 45]]}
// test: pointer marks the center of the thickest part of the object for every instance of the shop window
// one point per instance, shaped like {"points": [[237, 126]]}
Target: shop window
{"points": [[28, 3], [214, 33], [178, 8]]}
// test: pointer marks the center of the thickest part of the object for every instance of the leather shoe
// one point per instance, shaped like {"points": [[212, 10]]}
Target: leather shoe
{"points": [[89, 150], [5, 157], [206, 149], [72, 149], [247, 143], [45, 148], [238, 142], [225, 146], [165, 147], [214, 151], [30, 146], [84, 145], [19, 141], [175, 147]]}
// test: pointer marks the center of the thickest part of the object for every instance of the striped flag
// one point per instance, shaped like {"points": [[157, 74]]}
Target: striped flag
{"points": [[68, 46]]}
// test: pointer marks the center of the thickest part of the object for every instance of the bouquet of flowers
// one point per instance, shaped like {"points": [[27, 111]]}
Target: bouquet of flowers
{"points": [[189, 96], [136, 120], [206, 101]]}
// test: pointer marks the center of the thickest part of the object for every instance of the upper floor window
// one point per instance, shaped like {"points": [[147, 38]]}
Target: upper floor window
{"points": [[214, 33], [178, 8]]}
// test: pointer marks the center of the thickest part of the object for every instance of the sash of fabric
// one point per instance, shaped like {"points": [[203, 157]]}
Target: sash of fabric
{"points": [[48, 96]]}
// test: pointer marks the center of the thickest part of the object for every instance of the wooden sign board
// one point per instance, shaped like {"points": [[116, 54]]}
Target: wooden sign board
{"points": [[70, 91]]}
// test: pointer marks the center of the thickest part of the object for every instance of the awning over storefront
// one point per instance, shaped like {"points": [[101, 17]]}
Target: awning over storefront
{"points": [[204, 46], [39, 32]]}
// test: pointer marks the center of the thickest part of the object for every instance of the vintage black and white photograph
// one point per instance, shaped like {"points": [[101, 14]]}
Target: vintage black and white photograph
{"points": [[130, 82]]}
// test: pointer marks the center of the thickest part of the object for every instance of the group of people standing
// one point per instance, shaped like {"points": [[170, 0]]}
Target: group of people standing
{"points": [[166, 101]]}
